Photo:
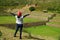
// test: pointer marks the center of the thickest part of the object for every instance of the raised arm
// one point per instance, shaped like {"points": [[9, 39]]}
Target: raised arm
{"points": [[13, 14], [26, 15]]}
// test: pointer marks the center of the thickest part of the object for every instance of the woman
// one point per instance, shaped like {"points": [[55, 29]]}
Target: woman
{"points": [[19, 22]]}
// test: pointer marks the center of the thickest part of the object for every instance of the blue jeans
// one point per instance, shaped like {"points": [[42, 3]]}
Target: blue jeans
{"points": [[17, 28]]}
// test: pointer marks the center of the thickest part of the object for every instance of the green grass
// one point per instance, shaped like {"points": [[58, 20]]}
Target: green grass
{"points": [[29, 20], [44, 31], [11, 19], [7, 19], [54, 22]]}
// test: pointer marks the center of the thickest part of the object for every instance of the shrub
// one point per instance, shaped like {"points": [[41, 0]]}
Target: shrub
{"points": [[58, 10], [0, 33], [32, 8], [51, 9]]}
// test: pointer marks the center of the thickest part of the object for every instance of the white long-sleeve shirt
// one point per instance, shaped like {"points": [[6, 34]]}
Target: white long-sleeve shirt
{"points": [[19, 20]]}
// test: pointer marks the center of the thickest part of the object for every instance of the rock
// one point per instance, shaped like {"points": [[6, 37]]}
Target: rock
{"points": [[45, 11]]}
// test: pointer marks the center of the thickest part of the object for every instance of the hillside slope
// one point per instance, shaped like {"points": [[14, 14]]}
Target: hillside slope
{"points": [[55, 21]]}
